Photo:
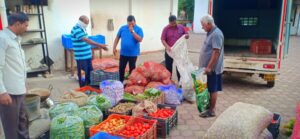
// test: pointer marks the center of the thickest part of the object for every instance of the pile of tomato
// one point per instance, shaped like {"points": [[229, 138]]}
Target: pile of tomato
{"points": [[162, 113], [135, 130]]}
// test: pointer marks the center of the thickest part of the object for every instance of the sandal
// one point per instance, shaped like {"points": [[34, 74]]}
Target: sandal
{"points": [[207, 114]]}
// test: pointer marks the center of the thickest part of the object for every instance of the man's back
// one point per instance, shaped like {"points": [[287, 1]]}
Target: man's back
{"points": [[82, 50]]}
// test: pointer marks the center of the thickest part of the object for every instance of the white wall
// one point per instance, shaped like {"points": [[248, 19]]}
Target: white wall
{"points": [[151, 15], [60, 17], [201, 9]]}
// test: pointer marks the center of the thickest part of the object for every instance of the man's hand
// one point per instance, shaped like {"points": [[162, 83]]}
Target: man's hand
{"points": [[130, 27], [187, 36], [5, 99], [168, 48], [115, 51], [104, 47], [208, 70]]}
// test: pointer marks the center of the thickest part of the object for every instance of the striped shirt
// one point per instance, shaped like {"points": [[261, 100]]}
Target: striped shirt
{"points": [[82, 50]]}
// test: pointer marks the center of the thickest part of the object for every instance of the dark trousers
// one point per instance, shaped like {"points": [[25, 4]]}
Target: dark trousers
{"points": [[86, 66], [169, 65], [14, 118], [123, 62]]}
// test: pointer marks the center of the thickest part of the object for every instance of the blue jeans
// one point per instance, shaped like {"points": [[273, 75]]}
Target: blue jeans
{"points": [[86, 66]]}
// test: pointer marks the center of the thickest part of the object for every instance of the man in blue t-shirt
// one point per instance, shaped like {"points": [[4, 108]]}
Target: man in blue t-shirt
{"points": [[82, 49], [131, 35]]}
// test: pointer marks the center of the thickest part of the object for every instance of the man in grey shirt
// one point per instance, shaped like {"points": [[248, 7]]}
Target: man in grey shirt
{"points": [[211, 58], [12, 78]]}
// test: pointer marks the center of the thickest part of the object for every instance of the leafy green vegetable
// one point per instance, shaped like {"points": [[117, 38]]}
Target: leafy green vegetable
{"points": [[152, 92], [67, 127]]}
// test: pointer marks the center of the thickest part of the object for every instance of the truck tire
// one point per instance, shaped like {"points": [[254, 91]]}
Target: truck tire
{"points": [[270, 84]]}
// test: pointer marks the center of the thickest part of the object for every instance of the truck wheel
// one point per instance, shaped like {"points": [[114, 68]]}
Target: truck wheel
{"points": [[270, 84]]}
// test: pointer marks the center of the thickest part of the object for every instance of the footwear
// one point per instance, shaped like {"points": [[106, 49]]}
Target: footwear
{"points": [[207, 114]]}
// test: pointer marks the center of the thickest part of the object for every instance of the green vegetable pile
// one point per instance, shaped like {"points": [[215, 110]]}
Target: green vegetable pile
{"points": [[68, 108], [149, 94], [67, 127], [90, 115], [288, 128], [101, 102]]}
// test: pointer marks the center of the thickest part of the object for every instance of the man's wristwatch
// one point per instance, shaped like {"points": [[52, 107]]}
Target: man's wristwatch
{"points": [[132, 31]]}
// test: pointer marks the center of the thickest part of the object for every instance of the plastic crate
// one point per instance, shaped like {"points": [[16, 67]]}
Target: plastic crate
{"points": [[97, 38], [165, 125], [96, 129], [274, 126], [66, 41], [99, 75], [149, 134], [261, 46], [129, 112]]}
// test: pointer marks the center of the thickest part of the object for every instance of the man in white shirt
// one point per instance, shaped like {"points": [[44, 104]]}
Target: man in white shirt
{"points": [[12, 78]]}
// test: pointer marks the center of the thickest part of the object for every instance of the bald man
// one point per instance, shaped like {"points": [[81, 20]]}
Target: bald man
{"points": [[83, 50]]}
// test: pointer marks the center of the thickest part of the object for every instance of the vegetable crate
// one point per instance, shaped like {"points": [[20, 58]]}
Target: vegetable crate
{"points": [[99, 75], [165, 125], [128, 112], [111, 119], [150, 133]]}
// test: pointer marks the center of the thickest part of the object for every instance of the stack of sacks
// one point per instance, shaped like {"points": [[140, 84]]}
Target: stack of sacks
{"points": [[149, 75], [106, 64]]}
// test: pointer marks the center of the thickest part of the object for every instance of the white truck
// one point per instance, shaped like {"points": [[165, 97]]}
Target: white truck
{"points": [[246, 21]]}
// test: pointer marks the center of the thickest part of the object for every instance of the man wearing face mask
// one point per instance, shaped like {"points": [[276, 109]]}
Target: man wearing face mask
{"points": [[131, 35], [12, 78], [82, 49], [171, 33]]}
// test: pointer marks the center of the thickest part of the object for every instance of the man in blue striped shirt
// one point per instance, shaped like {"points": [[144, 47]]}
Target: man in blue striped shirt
{"points": [[82, 49]]}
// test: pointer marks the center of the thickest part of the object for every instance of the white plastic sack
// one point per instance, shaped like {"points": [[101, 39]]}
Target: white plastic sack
{"points": [[179, 53], [240, 121]]}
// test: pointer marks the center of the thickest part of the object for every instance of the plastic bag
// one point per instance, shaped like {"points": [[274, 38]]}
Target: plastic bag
{"points": [[185, 67], [73, 96], [171, 94], [143, 108], [135, 89], [68, 108], [114, 90], [67, 127], [202, 94], [90, 115], [102, 102], [103, 135], [104, 63]]}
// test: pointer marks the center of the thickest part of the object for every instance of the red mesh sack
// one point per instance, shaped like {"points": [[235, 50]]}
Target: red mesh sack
{"points": [[154, 84], [134, 89], [104, 63]]}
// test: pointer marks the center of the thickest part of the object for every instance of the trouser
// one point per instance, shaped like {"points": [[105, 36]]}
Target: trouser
{"points": [[123, 62], [86, 66], [14, 118], [169, 65]]}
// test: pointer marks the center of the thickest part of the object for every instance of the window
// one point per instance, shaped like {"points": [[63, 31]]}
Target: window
{"points": [[248, 21]]}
